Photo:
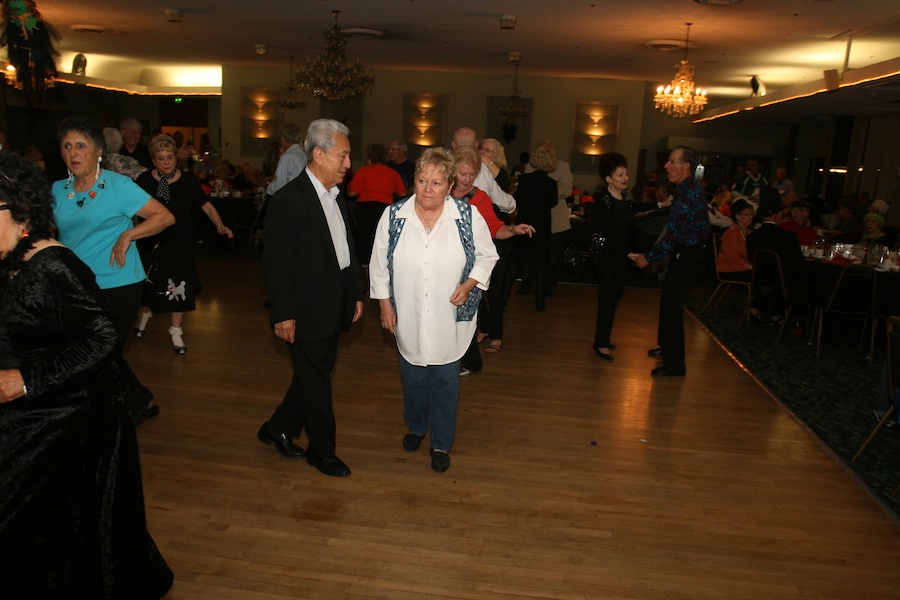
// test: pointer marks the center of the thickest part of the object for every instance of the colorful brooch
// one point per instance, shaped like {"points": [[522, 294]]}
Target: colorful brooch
{"points": [[70, 195], [101, 185], [92, 194]]}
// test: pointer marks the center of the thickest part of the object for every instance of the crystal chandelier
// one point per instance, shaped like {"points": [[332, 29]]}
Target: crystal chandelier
{"points": [[290, 95], [514, 110], [680, 98], [331, 75]]}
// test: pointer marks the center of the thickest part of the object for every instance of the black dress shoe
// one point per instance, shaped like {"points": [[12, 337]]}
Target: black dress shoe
{"points": [[332, 465], [539, 303], [440, 461], [667, 371], [604, 355], [655, 353], [411, 441], [267, 435]]}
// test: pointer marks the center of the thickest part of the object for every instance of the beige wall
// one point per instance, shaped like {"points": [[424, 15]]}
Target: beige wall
{"points": [[641, 126]]}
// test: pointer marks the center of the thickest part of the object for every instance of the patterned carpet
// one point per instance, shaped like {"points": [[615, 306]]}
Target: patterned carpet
{"points": [[832, 394]]}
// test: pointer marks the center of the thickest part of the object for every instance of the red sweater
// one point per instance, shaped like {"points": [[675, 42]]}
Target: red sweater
{"points": [[376, 183]]}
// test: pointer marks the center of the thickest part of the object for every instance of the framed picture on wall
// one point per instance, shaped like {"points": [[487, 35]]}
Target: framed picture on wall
{"points": [[595, 131]]}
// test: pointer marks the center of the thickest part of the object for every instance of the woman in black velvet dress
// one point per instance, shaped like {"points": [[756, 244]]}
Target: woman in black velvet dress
{"points": [[72, 519], [613, 218], [169, 256]]}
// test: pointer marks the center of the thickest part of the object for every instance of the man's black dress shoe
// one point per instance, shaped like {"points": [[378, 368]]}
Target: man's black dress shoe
{"points": [[440, 461], [655, 353], [411, 441], [284, 445], [667, 371], [332, 466]]}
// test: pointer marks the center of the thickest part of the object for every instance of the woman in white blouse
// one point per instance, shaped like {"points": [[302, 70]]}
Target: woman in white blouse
{"points": [[431, 261]]}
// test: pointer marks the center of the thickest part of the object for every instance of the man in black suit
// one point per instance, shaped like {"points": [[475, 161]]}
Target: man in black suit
{"points": [[311, 276]]}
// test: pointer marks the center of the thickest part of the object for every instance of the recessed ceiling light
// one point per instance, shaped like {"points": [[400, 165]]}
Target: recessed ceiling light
{"points": [[362, 33], [86, 28], [664, 45]]}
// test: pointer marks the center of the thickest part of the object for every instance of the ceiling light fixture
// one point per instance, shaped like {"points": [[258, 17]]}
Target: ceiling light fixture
{"points": [[331, 75], [680, 98], [174, 15], [514, 111], [291, 94], [508, 21]]}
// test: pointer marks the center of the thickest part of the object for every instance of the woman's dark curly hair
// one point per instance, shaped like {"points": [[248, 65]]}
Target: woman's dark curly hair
{"points": [[608, 163], [86, 126], [377, 153], [25, 190]]}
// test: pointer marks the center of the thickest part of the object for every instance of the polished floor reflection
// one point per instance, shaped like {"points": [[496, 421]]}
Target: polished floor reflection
{"points": [[571, 477]]}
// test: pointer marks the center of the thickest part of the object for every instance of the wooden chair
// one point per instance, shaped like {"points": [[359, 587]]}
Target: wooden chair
{"points": [[893, 379], [727, 283], [878, 318], [253, 225], [853, 294], [768, 284]]}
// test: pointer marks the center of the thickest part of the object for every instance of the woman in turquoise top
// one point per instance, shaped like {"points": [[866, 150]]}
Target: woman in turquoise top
{"points": [[93, 209]]}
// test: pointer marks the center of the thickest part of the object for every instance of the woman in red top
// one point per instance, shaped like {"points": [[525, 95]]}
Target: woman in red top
{"points": [[733, 260], [374, 186], [490, 314]]}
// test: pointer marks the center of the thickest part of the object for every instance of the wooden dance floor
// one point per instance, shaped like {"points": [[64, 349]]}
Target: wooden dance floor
{"points": [[572, 478]]}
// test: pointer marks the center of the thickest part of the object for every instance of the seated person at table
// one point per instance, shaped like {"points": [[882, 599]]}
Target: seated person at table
{"points": [[873, 232], [799, 224], [770, 236], [733, 260], [848, 228]]}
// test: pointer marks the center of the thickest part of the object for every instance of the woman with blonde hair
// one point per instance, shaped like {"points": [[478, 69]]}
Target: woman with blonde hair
{"points": [[172, 283], [431, 261], [494, 156]]}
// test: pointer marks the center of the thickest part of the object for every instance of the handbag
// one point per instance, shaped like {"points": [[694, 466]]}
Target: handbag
{"points": [[597, 244]]}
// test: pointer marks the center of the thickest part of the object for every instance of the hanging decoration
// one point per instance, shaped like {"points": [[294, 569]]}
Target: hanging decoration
{"points": [[29, 43], [681, 98], [291, 94], [515, 110], [331, 75]]}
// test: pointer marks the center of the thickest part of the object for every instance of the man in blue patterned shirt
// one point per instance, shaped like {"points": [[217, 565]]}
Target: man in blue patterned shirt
{"points": [[686, 233]]}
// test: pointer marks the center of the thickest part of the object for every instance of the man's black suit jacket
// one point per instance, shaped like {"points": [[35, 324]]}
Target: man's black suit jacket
{"points": [[786, 245], [302, 277]]}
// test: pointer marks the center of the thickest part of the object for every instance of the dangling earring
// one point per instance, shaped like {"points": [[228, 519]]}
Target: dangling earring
{"points": [[100, 158], [69, 178], [24, 234]]}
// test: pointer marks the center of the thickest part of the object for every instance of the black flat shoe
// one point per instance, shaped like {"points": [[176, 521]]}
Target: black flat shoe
{"points": [[667, 371], [655, 353], [440, 461], [411, 441], [332, 465], [287, 448], [147, 413], [604, 355]]}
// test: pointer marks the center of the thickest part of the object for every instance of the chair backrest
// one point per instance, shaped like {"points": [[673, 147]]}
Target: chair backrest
{"points": [[768, 277], [854, 290], [717, 247], [893, 356]]}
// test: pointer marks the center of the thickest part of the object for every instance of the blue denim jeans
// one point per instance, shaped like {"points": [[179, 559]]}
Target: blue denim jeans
{"points": [[430, 400]]}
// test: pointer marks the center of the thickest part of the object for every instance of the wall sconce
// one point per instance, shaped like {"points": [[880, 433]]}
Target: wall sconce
{"points": [[424, 110], [594, 139], [423, 129], [260, 104], [508, 21], [595, 119]]}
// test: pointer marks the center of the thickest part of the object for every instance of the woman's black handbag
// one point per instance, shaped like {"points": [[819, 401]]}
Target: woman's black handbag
{"points": [[597, 244]]}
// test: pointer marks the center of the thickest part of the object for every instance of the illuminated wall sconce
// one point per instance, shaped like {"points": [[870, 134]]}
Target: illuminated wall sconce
{"points": [[424, 120], [595, 128]]}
